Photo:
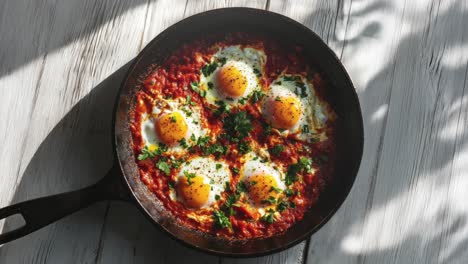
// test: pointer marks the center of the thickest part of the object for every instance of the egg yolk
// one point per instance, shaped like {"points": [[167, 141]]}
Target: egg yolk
{"points": [[193, 191], [285, 112], [171, 128], [231, 81], [261, 187]]}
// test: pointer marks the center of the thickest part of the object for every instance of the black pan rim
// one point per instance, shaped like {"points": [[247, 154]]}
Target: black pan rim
{"points": [[309, 232]]}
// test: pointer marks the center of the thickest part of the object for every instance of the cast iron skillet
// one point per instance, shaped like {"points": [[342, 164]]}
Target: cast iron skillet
{"points": [[123, 183]]}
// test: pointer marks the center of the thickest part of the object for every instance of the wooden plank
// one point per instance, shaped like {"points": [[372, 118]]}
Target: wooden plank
{"points": [[403, 208], [55, 57]]}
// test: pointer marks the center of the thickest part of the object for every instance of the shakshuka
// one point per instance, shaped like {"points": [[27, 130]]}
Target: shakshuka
{"points": [[233, 133]]}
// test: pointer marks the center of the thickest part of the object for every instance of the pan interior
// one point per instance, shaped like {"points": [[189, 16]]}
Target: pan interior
{"points": [[344, 101]]}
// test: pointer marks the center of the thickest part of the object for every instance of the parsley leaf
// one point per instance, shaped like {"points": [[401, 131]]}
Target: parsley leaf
{"points": [[243, 100], [256, 96], [209, 68], [146, 153], [306, 163], [275, 189], [257, 72], [222, 61], [293, 169], [269, 217], [277, 150], [222, 108], [183, 143], [238, 125], [189, 176], [301, 89], [241, 187], [281, 206], [196, 88], [220, 219], [164, 166], [244, 147], [270, 200], [289, 192]]}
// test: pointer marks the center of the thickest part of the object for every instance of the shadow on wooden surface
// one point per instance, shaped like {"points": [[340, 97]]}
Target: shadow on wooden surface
{"points": [[45, 26], [75, 154], [402, 207]]}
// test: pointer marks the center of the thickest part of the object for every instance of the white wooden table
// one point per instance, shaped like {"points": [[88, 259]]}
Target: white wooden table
{"points": [[62, 61]]}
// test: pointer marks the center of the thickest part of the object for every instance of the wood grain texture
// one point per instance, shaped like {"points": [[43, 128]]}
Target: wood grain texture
{"points": [[407, 61], [60, 64]]}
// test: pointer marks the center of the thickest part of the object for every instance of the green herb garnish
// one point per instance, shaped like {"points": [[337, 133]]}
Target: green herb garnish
{"points": [[164, 167], [277, 150], [220, 219], [189, 176]]}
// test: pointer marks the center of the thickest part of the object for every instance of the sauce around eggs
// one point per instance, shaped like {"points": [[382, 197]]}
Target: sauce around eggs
{"points": [[234, 135]]}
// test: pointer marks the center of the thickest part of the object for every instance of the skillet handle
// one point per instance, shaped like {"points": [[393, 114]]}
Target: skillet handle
{"points": [[40, 212]]}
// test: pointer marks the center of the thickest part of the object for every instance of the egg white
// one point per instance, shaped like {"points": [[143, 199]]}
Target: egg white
{"points": [[206, 168], [245, 60], [254, 165], [314, 111], [148, 132]]}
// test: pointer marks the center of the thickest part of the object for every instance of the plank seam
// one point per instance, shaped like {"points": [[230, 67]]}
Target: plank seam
{"points": [[144, 26], [101, 234]]}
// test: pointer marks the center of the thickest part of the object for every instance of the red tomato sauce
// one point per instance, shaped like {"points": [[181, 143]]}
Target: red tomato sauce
{"points": [[173, 78]]}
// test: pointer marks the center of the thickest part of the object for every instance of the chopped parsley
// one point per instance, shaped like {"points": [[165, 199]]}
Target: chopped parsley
{"points": [[276, 150], [305, 129], [171, 185], [256, 96], [289, 192], [190, 176], [275, 189], [301, 89], [266, 129], [270, 200], [220, 219], [210, 85], [173, 119], [217, 197], [222, 108], [237, 125], [278, 99], [222, 61], [243, 100], [281, 206], [306, 163], [269, 216], [235, 170], [146, 153], [209, 68], [183, 143], [244, 147], [216, 149], [241, 187], [196, 88], [257, 72], [164, 167], [293, 169], [189, 101], [218, 166], [177, 162]]}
